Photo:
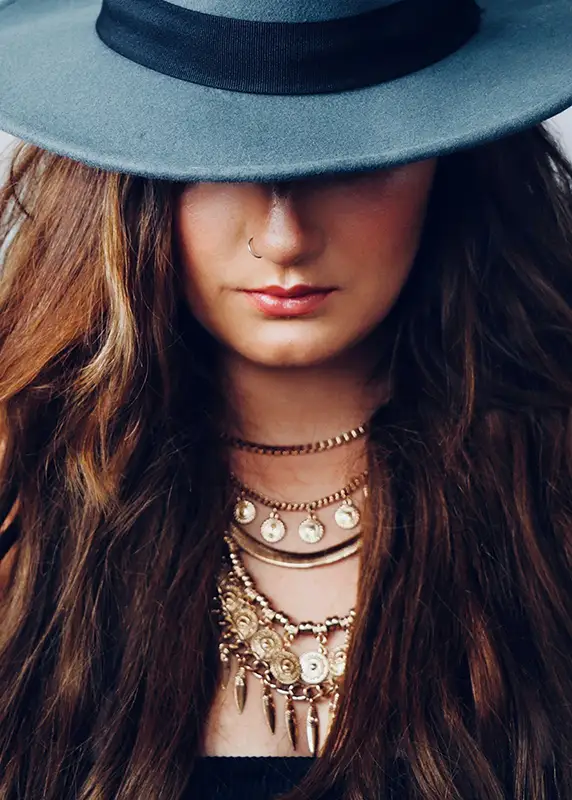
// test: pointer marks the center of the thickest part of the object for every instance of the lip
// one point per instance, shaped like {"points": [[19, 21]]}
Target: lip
{"points": [[275, 305], [298, 290]]}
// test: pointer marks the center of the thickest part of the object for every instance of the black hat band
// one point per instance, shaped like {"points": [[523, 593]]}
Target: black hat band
{"points": [[287, 57]]}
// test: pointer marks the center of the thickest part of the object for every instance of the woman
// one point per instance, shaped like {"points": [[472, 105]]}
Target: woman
{"points": [[285, 391]]}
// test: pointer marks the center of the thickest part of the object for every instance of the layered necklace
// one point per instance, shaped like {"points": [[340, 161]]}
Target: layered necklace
{"points": [[256, 639], [311, 529]]}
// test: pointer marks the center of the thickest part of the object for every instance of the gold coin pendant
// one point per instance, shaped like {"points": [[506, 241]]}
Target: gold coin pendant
{"points": [[273, 530], [231, 600], [315, 667], [246, 622], [244, 511], [311, 530], [265, 643], [285, 667], [338, 662], [347, 516]]}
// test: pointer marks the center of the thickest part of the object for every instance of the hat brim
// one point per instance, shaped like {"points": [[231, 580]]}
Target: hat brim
{"points": [[64, 90]]}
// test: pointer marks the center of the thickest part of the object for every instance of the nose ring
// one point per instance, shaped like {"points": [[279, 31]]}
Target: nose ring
{"points": [[251, 250]]}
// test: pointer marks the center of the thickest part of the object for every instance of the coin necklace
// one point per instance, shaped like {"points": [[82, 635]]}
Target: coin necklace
{"points": [[250, 642], [311, 529]]}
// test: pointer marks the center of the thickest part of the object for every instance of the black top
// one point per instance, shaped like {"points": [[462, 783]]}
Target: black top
{"points": [[264, 778], [245, 778]]}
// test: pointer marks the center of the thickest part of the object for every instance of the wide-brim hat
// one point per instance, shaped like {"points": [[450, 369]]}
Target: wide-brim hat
{"points": [[262, 90]]}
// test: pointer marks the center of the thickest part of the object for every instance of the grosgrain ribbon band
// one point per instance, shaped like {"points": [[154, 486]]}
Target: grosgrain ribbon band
{"points": [[287, 57]]}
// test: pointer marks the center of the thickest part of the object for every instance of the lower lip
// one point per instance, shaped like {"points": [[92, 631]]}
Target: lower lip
{"points": [[287, 306]]}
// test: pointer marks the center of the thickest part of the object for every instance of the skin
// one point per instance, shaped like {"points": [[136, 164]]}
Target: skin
{"points": [[358, 233], [295, 380]]}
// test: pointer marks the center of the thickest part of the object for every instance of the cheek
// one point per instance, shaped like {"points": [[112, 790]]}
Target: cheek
{"points": [[388, 234], [399, 211], [201, 233]]}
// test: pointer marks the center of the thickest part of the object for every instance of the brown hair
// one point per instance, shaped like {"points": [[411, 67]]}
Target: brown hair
{"points": [[459, 669]]}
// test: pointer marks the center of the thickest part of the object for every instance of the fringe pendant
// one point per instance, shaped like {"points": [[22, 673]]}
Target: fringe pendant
{"points": [[334, 704], [333, 709], [240, 689], [313, 728], [225, 670], [291, 725], [269, 708]]}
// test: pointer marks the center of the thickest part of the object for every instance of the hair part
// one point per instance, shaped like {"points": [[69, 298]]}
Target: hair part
{"points": [[458, 671]]}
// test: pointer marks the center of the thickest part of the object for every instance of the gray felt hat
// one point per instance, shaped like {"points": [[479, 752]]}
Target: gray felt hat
{"points": [[263, 90]]}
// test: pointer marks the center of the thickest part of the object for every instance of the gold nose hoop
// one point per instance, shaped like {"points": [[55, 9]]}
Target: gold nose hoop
{"points": [[251, 250]]}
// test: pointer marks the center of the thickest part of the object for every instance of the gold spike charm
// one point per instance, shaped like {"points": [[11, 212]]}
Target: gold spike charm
{"points": [[291, 725], [225, 668], [313, 728], [240, 689], [269, 707], [334, 704]]}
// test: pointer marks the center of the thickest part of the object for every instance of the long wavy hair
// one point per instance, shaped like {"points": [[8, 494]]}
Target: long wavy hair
{"points": [[459, 667]]}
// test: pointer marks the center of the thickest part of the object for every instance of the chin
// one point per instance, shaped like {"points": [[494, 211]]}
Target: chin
{"points": [[288, 355]]}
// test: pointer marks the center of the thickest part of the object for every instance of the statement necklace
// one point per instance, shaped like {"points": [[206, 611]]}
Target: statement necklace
{"points": [[257, 640]]}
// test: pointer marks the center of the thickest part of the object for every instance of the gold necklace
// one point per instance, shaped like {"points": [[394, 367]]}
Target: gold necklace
{"points": [[248, 636], [311, 530], [297, 449], [286, 558]]}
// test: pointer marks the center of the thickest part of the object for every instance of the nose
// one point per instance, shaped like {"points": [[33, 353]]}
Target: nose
{"points": [[289, 233]]}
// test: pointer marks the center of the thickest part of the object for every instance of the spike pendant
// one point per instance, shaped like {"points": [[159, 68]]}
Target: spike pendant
{"points": [[313, 728], [269, 708], [225, 671], [240, 689], [291, 724]]}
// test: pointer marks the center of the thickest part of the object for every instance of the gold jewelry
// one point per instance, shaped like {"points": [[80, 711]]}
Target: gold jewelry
{"points": [[251, 250], [285, 558], [244, 509], [297, 449], [247, 636], [310, 530]]}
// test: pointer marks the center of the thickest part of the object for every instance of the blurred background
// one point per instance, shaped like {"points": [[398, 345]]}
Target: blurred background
{"points": [[561, 124]]}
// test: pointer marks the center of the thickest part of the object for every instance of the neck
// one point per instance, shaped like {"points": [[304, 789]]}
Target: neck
{"points": [[300, 406], [296, 405]]}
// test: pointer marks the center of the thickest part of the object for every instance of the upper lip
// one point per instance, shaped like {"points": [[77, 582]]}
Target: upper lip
{"points": [[293, 291]]}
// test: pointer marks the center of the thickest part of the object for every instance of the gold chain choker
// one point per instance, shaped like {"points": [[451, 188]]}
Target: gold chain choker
{"points": [[297, 449]]}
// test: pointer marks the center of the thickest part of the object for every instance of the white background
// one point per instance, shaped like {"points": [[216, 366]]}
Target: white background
{"points": [[561, 123]]}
